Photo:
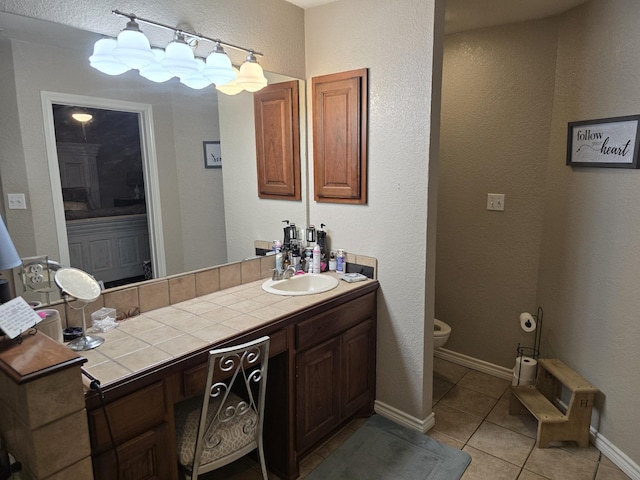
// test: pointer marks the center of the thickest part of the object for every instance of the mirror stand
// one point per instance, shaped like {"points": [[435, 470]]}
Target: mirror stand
{"points": [[85, 342]]}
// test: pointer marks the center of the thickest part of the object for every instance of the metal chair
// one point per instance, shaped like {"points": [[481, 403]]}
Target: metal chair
{"points": [[226, 423]]}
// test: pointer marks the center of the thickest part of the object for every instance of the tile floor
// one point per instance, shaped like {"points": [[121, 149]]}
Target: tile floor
{"points": [[471, 410]]}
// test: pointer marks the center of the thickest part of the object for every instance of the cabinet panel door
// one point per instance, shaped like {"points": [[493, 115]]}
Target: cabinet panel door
{"points": [[277, 141], [340, 137], [150, 456], [318, 392], [358, 360]]}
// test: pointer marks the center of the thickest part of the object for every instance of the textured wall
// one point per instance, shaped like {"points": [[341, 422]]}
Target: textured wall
{"points": [[590, 264], [395, 41], [496, 111]]}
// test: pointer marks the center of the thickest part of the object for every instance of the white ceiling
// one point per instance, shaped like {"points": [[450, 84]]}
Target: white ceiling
{"points": [[463, 15]]}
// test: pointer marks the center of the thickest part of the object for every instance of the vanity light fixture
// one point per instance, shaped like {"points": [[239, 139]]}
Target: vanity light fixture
{"points": [[132, 50]]}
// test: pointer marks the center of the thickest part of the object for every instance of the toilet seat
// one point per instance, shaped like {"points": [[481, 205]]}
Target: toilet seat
{"points": [[440, 329]]}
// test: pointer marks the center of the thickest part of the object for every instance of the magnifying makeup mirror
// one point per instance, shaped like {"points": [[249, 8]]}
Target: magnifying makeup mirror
{"points": [[85, 289]]}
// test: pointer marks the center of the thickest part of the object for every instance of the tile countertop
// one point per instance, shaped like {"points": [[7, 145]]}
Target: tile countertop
{"points": [[159, 335]]}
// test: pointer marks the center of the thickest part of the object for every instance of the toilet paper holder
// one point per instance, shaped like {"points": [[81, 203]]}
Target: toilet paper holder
{"points": [[531, 352]]}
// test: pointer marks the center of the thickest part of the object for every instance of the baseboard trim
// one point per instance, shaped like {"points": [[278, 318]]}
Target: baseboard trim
{"points": [[474, 363], [617, 456], [402, 418]]}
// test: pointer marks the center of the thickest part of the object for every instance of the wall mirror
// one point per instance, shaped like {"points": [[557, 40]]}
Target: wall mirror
{"points": [[202, 217]]}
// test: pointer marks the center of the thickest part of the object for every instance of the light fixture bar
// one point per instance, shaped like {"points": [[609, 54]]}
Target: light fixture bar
{"points": [[134, 17]]}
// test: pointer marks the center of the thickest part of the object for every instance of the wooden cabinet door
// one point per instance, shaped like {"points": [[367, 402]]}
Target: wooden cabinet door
{"points": [[358, 368], [318, 392], [277, 141], [150, 456], [340, 137]]}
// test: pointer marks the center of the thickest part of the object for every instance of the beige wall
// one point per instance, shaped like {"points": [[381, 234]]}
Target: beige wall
{"points": [[395, 40], [568, 239], [496, 112], [590, 263]]}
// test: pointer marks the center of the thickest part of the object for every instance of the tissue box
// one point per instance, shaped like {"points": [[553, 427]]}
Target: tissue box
{"points": [[103, 313]]}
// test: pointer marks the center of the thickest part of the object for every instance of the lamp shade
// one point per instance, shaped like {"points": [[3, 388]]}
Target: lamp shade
{"points": [[103, 59], [155, 71], [133, 48], [9, 257], [218, 68], [231, 88], [251, 76], [178, 58], [196, 80]]}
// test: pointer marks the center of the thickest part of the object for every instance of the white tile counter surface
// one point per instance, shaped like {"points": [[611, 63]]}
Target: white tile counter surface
{"points": [[159, 335]]}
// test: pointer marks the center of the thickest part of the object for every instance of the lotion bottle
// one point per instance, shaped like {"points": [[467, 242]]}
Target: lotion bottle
{"points": [[316, 258]]}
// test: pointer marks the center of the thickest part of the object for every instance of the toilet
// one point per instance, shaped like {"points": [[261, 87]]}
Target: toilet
{"points": [[441, 332]]}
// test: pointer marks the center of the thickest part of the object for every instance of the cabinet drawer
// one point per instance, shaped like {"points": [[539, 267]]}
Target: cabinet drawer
{"points": [[129, 416], [194, 379], [334, 321]]}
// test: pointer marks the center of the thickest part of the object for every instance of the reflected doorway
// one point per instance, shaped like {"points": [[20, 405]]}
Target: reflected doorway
{"points": [[103, 192], [124, 229]]}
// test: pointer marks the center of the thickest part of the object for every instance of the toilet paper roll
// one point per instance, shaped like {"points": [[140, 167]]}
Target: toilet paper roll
{"points": [[527, 322], [524, 371]]}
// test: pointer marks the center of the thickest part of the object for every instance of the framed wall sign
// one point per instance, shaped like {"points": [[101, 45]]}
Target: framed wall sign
{"points": [[212, 155], [607, 142]]}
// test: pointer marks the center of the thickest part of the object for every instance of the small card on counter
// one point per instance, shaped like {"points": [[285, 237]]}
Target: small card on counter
{"points": [[17, 316], [352, 277]]}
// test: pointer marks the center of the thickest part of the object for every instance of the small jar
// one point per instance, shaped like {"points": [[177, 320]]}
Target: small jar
{"points": [[341, 261], [332, 261]]}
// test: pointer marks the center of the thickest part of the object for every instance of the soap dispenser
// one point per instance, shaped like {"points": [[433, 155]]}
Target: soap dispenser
{"points": [[321, 236]]}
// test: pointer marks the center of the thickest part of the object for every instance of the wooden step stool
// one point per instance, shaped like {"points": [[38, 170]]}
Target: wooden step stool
{"points": [[553, 425]]}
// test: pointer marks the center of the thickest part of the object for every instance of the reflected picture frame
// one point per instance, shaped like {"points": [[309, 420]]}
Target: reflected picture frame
{"points": [[605, 143], [212, 154]]}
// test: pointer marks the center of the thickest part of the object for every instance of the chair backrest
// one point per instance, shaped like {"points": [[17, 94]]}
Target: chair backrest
{"points": [[236, 387]]}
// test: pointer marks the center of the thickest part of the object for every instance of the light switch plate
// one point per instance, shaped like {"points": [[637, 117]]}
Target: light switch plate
{"points": [[17, 201], [495, 201]]}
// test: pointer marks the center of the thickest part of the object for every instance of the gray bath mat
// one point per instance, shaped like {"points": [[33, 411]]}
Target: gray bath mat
{"points": [[383, 450]]}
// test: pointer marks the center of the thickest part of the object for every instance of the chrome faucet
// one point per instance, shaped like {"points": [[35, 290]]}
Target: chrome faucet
{"points": [[289, 272]]}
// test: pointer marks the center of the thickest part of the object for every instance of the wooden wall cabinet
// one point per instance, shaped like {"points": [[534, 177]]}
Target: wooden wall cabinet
{"points": [[340, 137], [276, 111]]}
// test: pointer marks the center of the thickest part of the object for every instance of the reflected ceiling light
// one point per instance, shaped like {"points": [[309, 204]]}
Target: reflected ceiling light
{"points": [[218, 68], [196, 80], [251, 76], [132, 50], [231, 88], [103, 59], [155, 71], [133, 47], [179, 59], [82, 117]]}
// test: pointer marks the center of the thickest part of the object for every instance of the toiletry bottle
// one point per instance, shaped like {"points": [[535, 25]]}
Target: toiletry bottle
{"points": [[332, 261], [279, 265], [321, 236], [340, 261], [316, 259]]}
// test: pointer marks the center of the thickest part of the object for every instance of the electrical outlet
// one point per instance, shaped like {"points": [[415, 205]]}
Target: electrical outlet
{"points": [[495, 201], [17, 201]]}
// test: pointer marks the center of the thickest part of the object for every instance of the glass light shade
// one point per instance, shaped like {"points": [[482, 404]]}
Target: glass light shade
{"points": [[9, 257], [197, 80], [155, 71], [82, 117], [179, 60], [218, 68], [231, 88], [103, 59], [133, 47], [251, 76]]}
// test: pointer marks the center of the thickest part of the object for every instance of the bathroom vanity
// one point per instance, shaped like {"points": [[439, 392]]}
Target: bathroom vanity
{"points": [[321, 375]]}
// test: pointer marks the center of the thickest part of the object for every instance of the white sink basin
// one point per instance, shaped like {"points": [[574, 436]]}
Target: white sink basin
{"points": [[307, 284]]}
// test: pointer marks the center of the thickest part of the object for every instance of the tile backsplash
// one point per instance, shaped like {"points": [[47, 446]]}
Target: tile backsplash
{"points": [[153, 294]]}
